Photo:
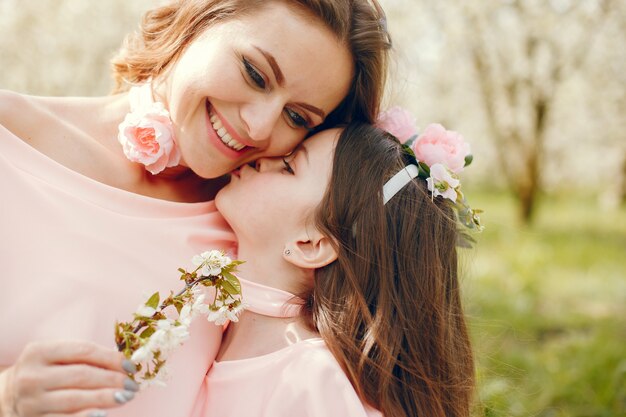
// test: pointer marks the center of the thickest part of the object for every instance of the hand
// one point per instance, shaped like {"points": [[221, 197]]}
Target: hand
{"points": [[65, 378]]}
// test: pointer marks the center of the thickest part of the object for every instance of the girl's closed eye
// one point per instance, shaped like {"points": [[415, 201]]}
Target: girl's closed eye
{"points": [[288, 167]]}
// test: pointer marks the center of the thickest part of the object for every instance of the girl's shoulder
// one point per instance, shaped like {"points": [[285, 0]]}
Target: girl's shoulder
{"points": [[325, 386]]}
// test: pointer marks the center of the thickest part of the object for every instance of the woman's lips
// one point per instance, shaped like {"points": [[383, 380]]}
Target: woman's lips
{"points": [[217, 142]]}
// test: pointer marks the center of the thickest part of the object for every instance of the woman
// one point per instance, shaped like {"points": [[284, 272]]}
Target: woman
{"points": [[86, 229], [380, 324]]}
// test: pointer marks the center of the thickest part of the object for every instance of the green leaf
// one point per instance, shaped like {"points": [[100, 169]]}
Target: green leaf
{"points": [[147, 332], [229, 288], [232, 280], [153, 301], [423, 169], [232, 266], [468, 159]]}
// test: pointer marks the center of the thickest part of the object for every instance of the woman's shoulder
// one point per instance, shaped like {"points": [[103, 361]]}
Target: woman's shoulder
{"points": [[23, 115], [13, 108]]}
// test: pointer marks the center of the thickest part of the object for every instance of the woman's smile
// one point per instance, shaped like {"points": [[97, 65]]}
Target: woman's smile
{"points": [[223, 136]]}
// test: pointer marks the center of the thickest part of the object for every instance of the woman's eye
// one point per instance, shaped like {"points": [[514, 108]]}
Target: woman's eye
{"points": [[296, 120], [254, 75], [287, 167]]}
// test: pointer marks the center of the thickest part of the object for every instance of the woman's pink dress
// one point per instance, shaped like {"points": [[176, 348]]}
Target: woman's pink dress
{"points": [[77, 255]]}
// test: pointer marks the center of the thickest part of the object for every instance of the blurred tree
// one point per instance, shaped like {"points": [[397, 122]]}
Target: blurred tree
{"points": [[544, 79], [63, 47], [523, 52]]}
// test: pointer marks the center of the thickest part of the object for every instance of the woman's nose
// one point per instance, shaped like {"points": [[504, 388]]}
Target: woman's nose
{"points": [[260, 118]]}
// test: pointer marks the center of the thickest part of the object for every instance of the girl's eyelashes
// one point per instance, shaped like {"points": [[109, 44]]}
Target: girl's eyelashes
{"points": [[288, 167], [253, 74]]}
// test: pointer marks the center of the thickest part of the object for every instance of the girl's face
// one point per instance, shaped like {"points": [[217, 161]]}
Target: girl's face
{"points": [[251, 86], [267, 203]]}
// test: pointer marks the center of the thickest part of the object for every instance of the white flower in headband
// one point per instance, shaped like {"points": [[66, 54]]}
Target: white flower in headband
{"points": [[442, 182]]}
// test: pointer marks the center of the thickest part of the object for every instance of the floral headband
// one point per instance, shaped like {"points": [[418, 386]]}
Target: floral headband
{"points": [[439, 154]]}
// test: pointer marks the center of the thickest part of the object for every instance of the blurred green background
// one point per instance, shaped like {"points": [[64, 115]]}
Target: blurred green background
{"points": [[538, 87]]}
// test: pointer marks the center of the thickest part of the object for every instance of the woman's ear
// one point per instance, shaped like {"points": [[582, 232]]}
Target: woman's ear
{"points": [[311, 251]]}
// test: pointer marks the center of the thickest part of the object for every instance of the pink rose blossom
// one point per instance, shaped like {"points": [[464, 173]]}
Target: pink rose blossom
{"points": [[399, 122], [436, 145], [147, 137]]}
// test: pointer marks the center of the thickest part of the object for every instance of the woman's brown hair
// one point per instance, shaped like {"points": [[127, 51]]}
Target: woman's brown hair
{"points": [[389, 307], [166, 31]]}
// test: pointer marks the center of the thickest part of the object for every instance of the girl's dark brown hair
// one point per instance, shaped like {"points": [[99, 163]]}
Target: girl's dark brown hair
{"points": [[389, 308], [166, 31]]}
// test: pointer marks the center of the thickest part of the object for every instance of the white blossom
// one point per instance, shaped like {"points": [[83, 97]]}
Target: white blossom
{"points": [[145, 311], [218, 316], [211, 262], [168, 336], [225, 313], [143, 354], [158, 380], [442, 182]]}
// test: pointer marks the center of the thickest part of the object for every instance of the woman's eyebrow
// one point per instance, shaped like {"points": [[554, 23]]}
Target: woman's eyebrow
{"points": [[313, 109], [278, 74], [280, 79]]}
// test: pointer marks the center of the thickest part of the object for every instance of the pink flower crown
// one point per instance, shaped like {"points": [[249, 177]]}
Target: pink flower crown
{"points": [[440, 155]]}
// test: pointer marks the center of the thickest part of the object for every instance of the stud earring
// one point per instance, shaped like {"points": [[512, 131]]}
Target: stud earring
{"points": [[287, 252]]}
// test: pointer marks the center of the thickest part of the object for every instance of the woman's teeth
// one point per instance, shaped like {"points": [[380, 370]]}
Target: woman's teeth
{"points": [[224, 135]]}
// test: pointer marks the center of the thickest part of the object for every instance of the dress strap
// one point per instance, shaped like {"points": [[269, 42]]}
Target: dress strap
{"points": [[269, 301]]}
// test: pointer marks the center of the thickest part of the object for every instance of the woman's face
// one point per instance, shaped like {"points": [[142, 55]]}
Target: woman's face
{"points": [[251, 86], [266, 203]]}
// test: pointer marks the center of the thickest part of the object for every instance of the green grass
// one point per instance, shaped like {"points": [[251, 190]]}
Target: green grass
{"points": [[547, 309]]}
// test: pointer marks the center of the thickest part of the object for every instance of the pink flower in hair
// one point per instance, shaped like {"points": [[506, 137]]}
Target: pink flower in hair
{"points": [[436, 145], [399, 122]]}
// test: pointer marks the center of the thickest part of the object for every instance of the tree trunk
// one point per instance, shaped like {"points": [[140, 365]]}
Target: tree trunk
{"points": [[622, 190]]}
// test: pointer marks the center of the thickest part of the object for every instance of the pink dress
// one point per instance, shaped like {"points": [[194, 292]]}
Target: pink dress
{"points": [[77, 255], [300, 380]]}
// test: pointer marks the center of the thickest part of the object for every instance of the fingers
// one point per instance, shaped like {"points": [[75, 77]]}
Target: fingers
{"points": [[76, 402], [69, 378], [83, 377], [83, 413], [73, 352]]}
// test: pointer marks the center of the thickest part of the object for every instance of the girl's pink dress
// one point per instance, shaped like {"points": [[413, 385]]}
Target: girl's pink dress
{"points": [[77, 255], [301, 380]]}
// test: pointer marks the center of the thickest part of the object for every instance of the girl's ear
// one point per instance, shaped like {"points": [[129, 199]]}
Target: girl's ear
{"points": [[311, 251]]}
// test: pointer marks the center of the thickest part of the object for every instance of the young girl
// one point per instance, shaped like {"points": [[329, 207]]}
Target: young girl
{"points": [[85, 228], [377, 326]]}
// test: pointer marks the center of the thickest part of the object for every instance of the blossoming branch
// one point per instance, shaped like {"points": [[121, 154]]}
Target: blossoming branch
{"points": [[152, 335]]}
